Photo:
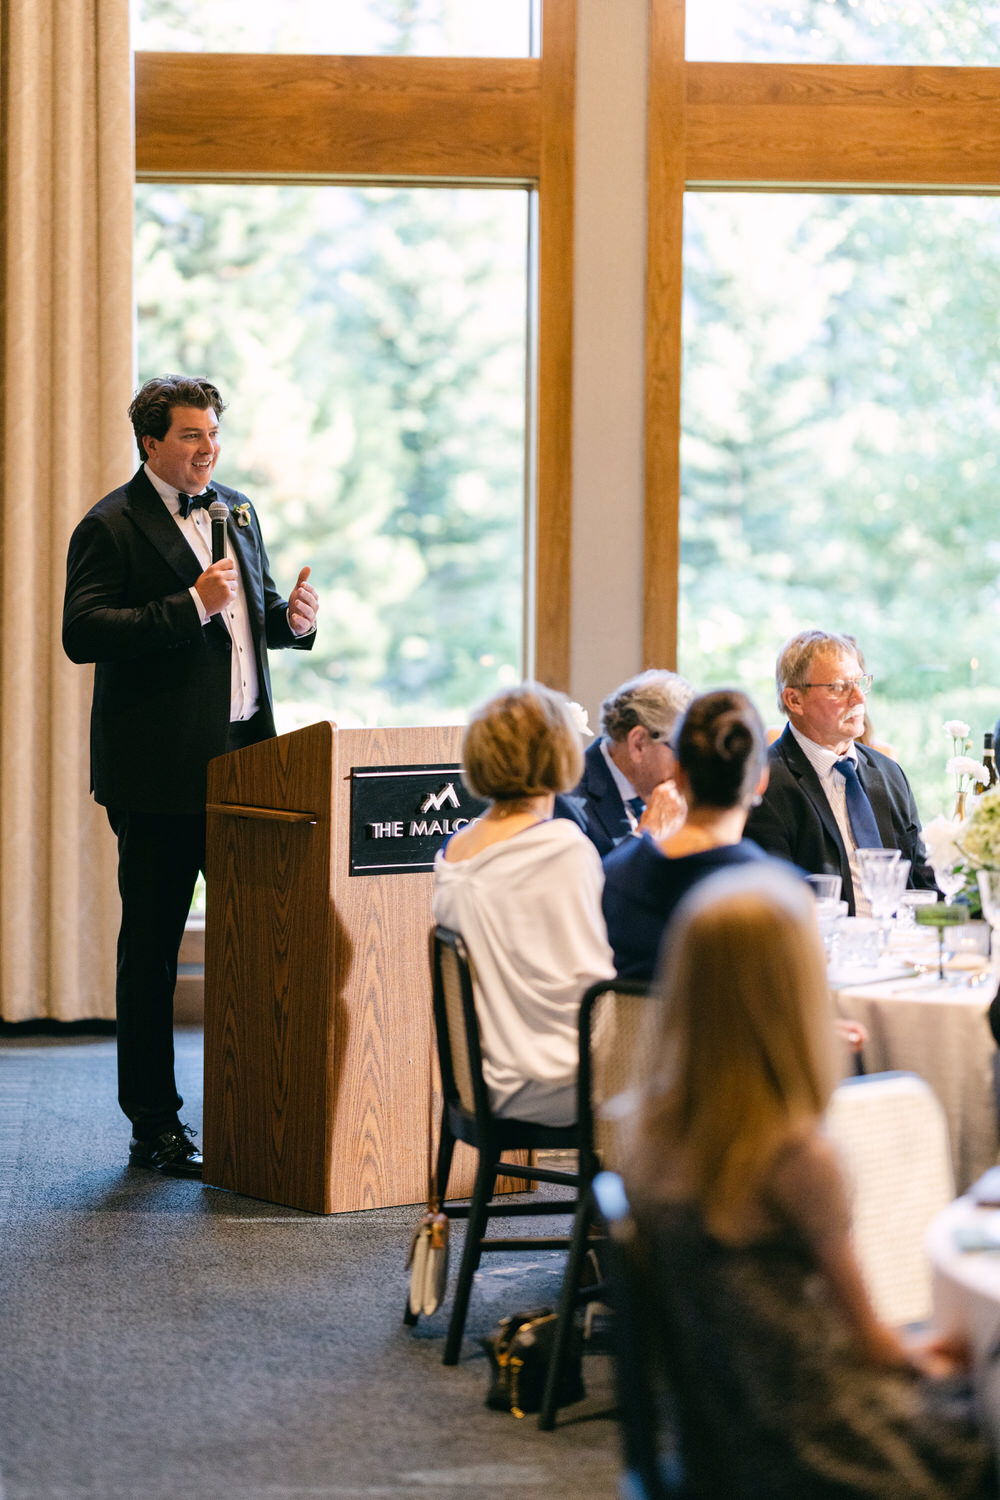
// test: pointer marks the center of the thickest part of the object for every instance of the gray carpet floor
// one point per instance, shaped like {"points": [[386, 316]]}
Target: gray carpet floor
{"points": [[160, 1340]]}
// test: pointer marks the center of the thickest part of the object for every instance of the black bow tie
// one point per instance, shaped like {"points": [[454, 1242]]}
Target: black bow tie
{"points": [[187, 503]]}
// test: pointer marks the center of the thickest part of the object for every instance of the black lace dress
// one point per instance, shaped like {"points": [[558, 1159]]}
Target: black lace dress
{"points": [[774, 1401]]}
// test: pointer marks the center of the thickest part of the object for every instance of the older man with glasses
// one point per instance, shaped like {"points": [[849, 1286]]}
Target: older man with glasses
{"points": [[828, 795]]}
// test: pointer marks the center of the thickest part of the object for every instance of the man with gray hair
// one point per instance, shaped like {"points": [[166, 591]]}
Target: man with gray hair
{"points": [[829, 795], [631, 757]]}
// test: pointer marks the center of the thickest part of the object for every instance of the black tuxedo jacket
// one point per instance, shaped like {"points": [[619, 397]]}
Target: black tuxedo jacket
{"points": [[162, 679], [795, 819], [595, 803]]}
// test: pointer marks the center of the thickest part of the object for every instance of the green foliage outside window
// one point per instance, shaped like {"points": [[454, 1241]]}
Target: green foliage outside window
{"points": [[841, 449], [372, 345]]}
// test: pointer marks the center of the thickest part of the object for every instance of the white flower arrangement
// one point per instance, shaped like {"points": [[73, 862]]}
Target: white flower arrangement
{"points": [[980, 840], [941, 841], [581, 722], [966, 766], [958, 732]]}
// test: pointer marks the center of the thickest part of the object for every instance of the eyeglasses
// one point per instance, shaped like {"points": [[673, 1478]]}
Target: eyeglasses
{"points": [[844, 689]]}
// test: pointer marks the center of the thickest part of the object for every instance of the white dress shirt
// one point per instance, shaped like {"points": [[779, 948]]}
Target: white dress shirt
{"points": [[835, 790], [196, 528], [625, 788]]}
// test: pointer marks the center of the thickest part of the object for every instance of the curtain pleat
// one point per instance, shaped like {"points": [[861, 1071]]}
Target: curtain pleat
{"points": [[66, 259]]}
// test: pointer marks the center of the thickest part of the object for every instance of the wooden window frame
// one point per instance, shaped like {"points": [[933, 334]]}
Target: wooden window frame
{"points": [[472, 122], [776, 127]]}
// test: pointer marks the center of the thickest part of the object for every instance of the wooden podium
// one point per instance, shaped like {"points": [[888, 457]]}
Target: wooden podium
{"points": [[319, 1036]]}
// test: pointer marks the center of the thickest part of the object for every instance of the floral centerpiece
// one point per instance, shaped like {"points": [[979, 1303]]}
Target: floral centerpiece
{"points": [[980, 837], [947, 840], [967, 771]]}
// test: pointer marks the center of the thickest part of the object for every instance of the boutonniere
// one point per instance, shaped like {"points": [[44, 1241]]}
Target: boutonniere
{"points": [[242, 513]]}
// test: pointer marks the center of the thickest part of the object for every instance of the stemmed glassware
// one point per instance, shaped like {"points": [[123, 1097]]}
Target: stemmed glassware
{"points": [[949, 882], [989, 894], [883, 881], [941, 915]]}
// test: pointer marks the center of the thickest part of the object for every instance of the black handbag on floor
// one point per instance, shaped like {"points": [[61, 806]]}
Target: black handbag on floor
{"points": [[519, 1349]]}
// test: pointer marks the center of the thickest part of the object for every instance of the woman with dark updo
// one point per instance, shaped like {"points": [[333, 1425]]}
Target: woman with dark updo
{"points": [[721, 771]]}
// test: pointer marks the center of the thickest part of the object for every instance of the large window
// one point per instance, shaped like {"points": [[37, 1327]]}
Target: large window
{"points": [[853, 31], [442, 28], [373, 346], [841, 450], [813, 237]]}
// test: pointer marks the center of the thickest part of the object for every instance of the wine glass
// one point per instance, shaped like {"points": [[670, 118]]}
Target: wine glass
{"points": [[948, 881], [883, 882], [989, 894]]}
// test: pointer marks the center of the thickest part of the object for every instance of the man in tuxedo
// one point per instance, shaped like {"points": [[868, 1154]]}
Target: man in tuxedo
{"points": [[180, 646], [828, 795], [631, 757]]}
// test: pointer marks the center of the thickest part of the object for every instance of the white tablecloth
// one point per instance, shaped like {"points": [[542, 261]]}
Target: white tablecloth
{"points": [[967, 1300], [939, 1032]]}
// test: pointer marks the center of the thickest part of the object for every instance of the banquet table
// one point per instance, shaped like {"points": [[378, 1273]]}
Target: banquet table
{"points": [[966, 1293], [940, 1032]]}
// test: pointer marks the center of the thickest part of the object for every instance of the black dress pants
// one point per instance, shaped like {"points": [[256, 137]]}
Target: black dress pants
{"points": [[159, 857]]}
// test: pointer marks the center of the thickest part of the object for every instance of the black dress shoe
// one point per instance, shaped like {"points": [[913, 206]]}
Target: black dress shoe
{"points": [[172, 1152]]}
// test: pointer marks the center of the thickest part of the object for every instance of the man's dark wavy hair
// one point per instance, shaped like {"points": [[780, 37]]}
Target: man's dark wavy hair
{"points": [[152, 405]]}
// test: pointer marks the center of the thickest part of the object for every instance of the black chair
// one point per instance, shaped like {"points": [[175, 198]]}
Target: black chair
{"points": [[651, 1469], [467, 1117], [612, 1014]]}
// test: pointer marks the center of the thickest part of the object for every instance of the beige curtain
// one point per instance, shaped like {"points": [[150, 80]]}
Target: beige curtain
{"points": [[66, 303]]}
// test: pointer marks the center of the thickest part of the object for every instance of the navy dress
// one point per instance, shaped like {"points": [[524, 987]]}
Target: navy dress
{"points": [[642, 888]]}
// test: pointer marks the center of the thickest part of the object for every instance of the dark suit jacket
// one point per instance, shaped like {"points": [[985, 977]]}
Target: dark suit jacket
{"points": [[162, 679], [595, 803], [795, 819]]}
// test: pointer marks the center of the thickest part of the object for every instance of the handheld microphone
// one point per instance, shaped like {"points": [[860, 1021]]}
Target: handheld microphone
{"points": [[218, 512]]}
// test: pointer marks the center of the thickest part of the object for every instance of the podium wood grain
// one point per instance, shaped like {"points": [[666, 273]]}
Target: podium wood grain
{"points": [[320, 1079]]}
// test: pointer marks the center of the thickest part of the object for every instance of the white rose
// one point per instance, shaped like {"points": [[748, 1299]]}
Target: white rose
{"points": [[956, 729], [940, 836], [965, 765]]}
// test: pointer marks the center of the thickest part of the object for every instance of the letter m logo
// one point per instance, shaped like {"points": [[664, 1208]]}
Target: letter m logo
{"points": [[446, 797]]}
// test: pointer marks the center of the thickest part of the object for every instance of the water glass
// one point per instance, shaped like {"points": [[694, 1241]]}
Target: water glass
{"points": [[858, 943], [908, 901], [825, 887], [876, 857], [967, 950], [830, 915]]}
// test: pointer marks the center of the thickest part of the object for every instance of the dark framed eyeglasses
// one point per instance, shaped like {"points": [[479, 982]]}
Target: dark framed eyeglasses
{"points": [[844, 689]]}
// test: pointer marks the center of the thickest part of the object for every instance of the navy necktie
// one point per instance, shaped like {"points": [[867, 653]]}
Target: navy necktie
{"points": [[859, 809], [638, 807], [187, 503]]}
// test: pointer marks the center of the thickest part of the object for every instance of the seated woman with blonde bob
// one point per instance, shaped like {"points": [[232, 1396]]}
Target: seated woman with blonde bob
{"points": [[524, 891], [721, 768], [788, 1385]]}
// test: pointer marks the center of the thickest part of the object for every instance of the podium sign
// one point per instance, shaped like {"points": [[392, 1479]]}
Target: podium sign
{"points": [[401, 815]]}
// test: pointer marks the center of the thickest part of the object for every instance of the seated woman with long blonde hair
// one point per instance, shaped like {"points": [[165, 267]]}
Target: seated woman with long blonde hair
{"points": [[524, 891], [789, 1386]]}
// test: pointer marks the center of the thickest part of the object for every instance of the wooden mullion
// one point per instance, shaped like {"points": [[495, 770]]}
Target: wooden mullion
{"points": [[212, 116], [555, 346], [839, 126], [664, 255]]}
